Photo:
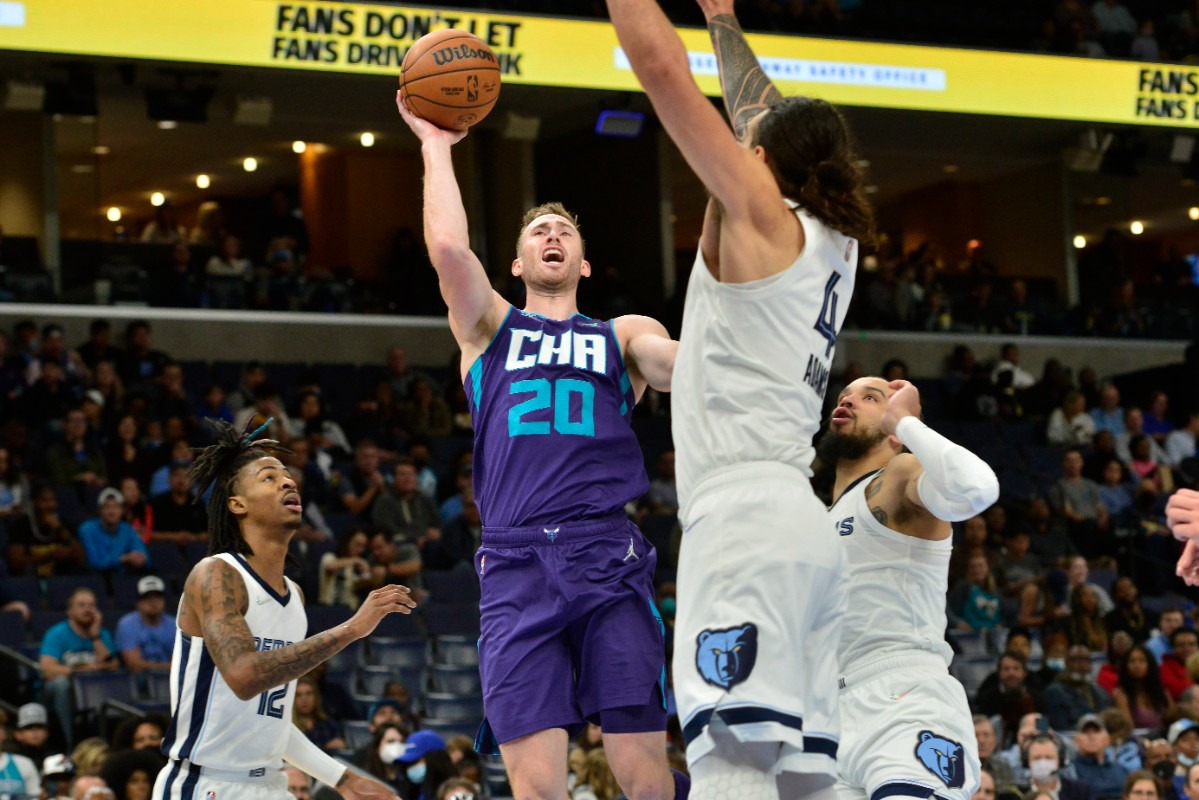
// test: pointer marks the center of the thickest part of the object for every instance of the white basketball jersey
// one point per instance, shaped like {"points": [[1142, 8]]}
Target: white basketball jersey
{"points": [[897, 586], [754, 359], [210, 726]]}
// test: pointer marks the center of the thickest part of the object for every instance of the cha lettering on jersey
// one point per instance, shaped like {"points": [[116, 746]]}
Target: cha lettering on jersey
{"points": [[527, 349]]}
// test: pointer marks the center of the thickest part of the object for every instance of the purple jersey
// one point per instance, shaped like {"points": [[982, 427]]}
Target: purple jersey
{"points": [[551, 403]]}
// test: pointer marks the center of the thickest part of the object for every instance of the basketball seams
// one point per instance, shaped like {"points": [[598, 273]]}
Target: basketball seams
{"points": [[405, 66]]}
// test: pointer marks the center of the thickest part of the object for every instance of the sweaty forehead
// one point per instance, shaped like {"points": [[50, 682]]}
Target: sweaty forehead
{"points": [[549, 219], [864, 384], [259, 464]]}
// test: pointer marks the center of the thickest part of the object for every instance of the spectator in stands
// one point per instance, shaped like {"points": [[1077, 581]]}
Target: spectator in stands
{"points": [[393, 561], [1085, 626], [74, 461], [283, 222], [458, 543], [1184, 738], [1190, 786], [404, 511], [176, 517], [1141, 785], [1129, 615], [253, 376], [174, 285], [1139, 692], [1144, 44], [362, 485], [1115, 492], [1184, 643], [387, 745], [80, 643], [141, 363], [49, 397], [464, 486], [1078, 574], [1054, 646], [107, 383], [426, 478], [131, 774], [1180, 443], [376, 417], [280, 285], [1015, 755], [1073, 693], [1146, 470], [1188, 701], [1125, 750], [1116, 26], [972, 543], [426, 765], [126, 457], [311, 412], [1109, 414], [1077, 499], [1159, 642], [57, 771], [90, 787], [14, 491], [1019, 316], [988, 741], [1036, 608], [310, 716], [1159, 759], [228, 272], [1045, 761], [111, 543], [1134, 426], [213, 405], [18, 774], [425, 414], [266, 406], [1009, 362], [31, 738], [314, 478], [99, 346], [146, 635], [41, 545], [595, 779], [299, 785], [1157, 421], [458, 789], [382, 712], [345, 573], [663, 497], [210, 225], [1012, 698], [1091, 766], [400, 375], [165, 227], [54, 349], [986, 784], [973, 604], [170, 398], [141, 733], [1070, 424]]}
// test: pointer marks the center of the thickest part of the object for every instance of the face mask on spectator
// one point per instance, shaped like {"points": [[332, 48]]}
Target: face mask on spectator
{"points": [[1058, 664], [1164, 770], [390, 751], [1042, 769], [1185, 761], [416, 773]]}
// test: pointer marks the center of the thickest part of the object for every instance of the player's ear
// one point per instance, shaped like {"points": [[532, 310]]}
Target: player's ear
{"points": [[517, 267], [237, 505], [760, 153], [585, 268]]}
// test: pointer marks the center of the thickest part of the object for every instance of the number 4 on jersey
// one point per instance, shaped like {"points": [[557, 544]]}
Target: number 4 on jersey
{"points": [[826, 326]]}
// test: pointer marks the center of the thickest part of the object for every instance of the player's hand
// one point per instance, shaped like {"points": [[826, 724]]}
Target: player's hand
{"points": [[715, 8], [424, 130], [903, 402], [357, 788], [1182, 514], [1188, 564], [378, 604]]}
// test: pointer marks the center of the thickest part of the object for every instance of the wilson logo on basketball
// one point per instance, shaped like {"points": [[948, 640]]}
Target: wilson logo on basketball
{"points": [[462, 52]]}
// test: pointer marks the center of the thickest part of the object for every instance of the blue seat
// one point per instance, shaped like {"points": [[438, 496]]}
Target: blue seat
{"points": [[157, 686], [448, 729], [341, 522], [42, 621], [59, 589], [398, 653], [456, 651], [455, 680], [455, 586], [401, 626], [124, 591], [453, 708], [373, 679], [322, 618], [93, 688], [358, 734], [27, 589], [12, 629], [452, 619], [166, 560]]}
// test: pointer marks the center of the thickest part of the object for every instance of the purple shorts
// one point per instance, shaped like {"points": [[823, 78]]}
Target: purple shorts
{"points": [[569, 628]]}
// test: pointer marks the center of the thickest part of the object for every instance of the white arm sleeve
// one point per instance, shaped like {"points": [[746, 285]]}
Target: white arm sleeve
{"points": [[311, 760], [956, 484]]}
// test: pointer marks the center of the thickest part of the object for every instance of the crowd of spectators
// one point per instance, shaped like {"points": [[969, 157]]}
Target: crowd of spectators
{"points": [[95, 441]]}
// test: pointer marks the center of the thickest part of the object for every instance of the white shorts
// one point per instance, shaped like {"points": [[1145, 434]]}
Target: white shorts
{"points": [[761, 588], [906, 728], [182, 780]]}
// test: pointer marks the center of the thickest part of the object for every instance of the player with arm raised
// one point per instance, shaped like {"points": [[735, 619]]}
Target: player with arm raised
{"points": [[906, 724], [569, 628], [761, 573], [240, 643]]}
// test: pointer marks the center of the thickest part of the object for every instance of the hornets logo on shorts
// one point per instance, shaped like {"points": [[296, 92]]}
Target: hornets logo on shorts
{"points": [[942, 757], [725, 657]]}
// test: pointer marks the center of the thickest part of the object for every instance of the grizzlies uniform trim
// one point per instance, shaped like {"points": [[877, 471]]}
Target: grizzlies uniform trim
{"points": [[901, 789]]}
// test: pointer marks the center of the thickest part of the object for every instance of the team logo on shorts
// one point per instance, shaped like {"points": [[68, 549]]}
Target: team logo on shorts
{"points": [[942, 757], [725, 657]]}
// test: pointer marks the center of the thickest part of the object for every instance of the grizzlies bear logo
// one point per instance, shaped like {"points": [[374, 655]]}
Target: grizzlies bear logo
{"points": [[725, 657], [942, 757]]}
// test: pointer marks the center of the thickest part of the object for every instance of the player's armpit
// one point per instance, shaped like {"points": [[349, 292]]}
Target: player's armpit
{"points": [[218, 591]]}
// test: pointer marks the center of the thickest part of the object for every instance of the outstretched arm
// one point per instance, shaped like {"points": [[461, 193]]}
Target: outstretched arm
{"points": [[216, 595], [649, 350], [465, 286], [940, 477], [746, 89], [1182, 514]]}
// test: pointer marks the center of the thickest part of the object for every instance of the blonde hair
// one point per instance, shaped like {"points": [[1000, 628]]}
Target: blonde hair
{"points": [[598, 775], [540, 211], [89, 756]]}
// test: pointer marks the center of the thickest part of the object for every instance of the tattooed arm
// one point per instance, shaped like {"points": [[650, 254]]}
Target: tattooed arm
{"points": [[215, 597], [746, 89]]}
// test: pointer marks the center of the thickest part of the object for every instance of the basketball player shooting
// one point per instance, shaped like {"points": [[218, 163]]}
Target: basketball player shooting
{"points": [[569, 628], [907, 729], [240, 644], [761, 573]]}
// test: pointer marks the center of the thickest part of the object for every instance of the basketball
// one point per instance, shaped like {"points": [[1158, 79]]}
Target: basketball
{"points": [[450, 78]]}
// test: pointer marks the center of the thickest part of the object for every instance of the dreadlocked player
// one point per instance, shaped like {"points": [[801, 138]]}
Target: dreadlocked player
{"points": [[240, 643]]}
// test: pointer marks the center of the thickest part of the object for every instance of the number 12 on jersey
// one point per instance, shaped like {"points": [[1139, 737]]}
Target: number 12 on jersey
{"points": [[557, 395]]}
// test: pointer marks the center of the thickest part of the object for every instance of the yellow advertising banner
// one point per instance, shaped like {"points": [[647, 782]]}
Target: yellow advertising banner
{"points": [[544, 51]]}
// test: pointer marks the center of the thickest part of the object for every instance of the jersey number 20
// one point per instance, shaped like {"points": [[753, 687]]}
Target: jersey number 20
{"points": [[561, 392]]}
